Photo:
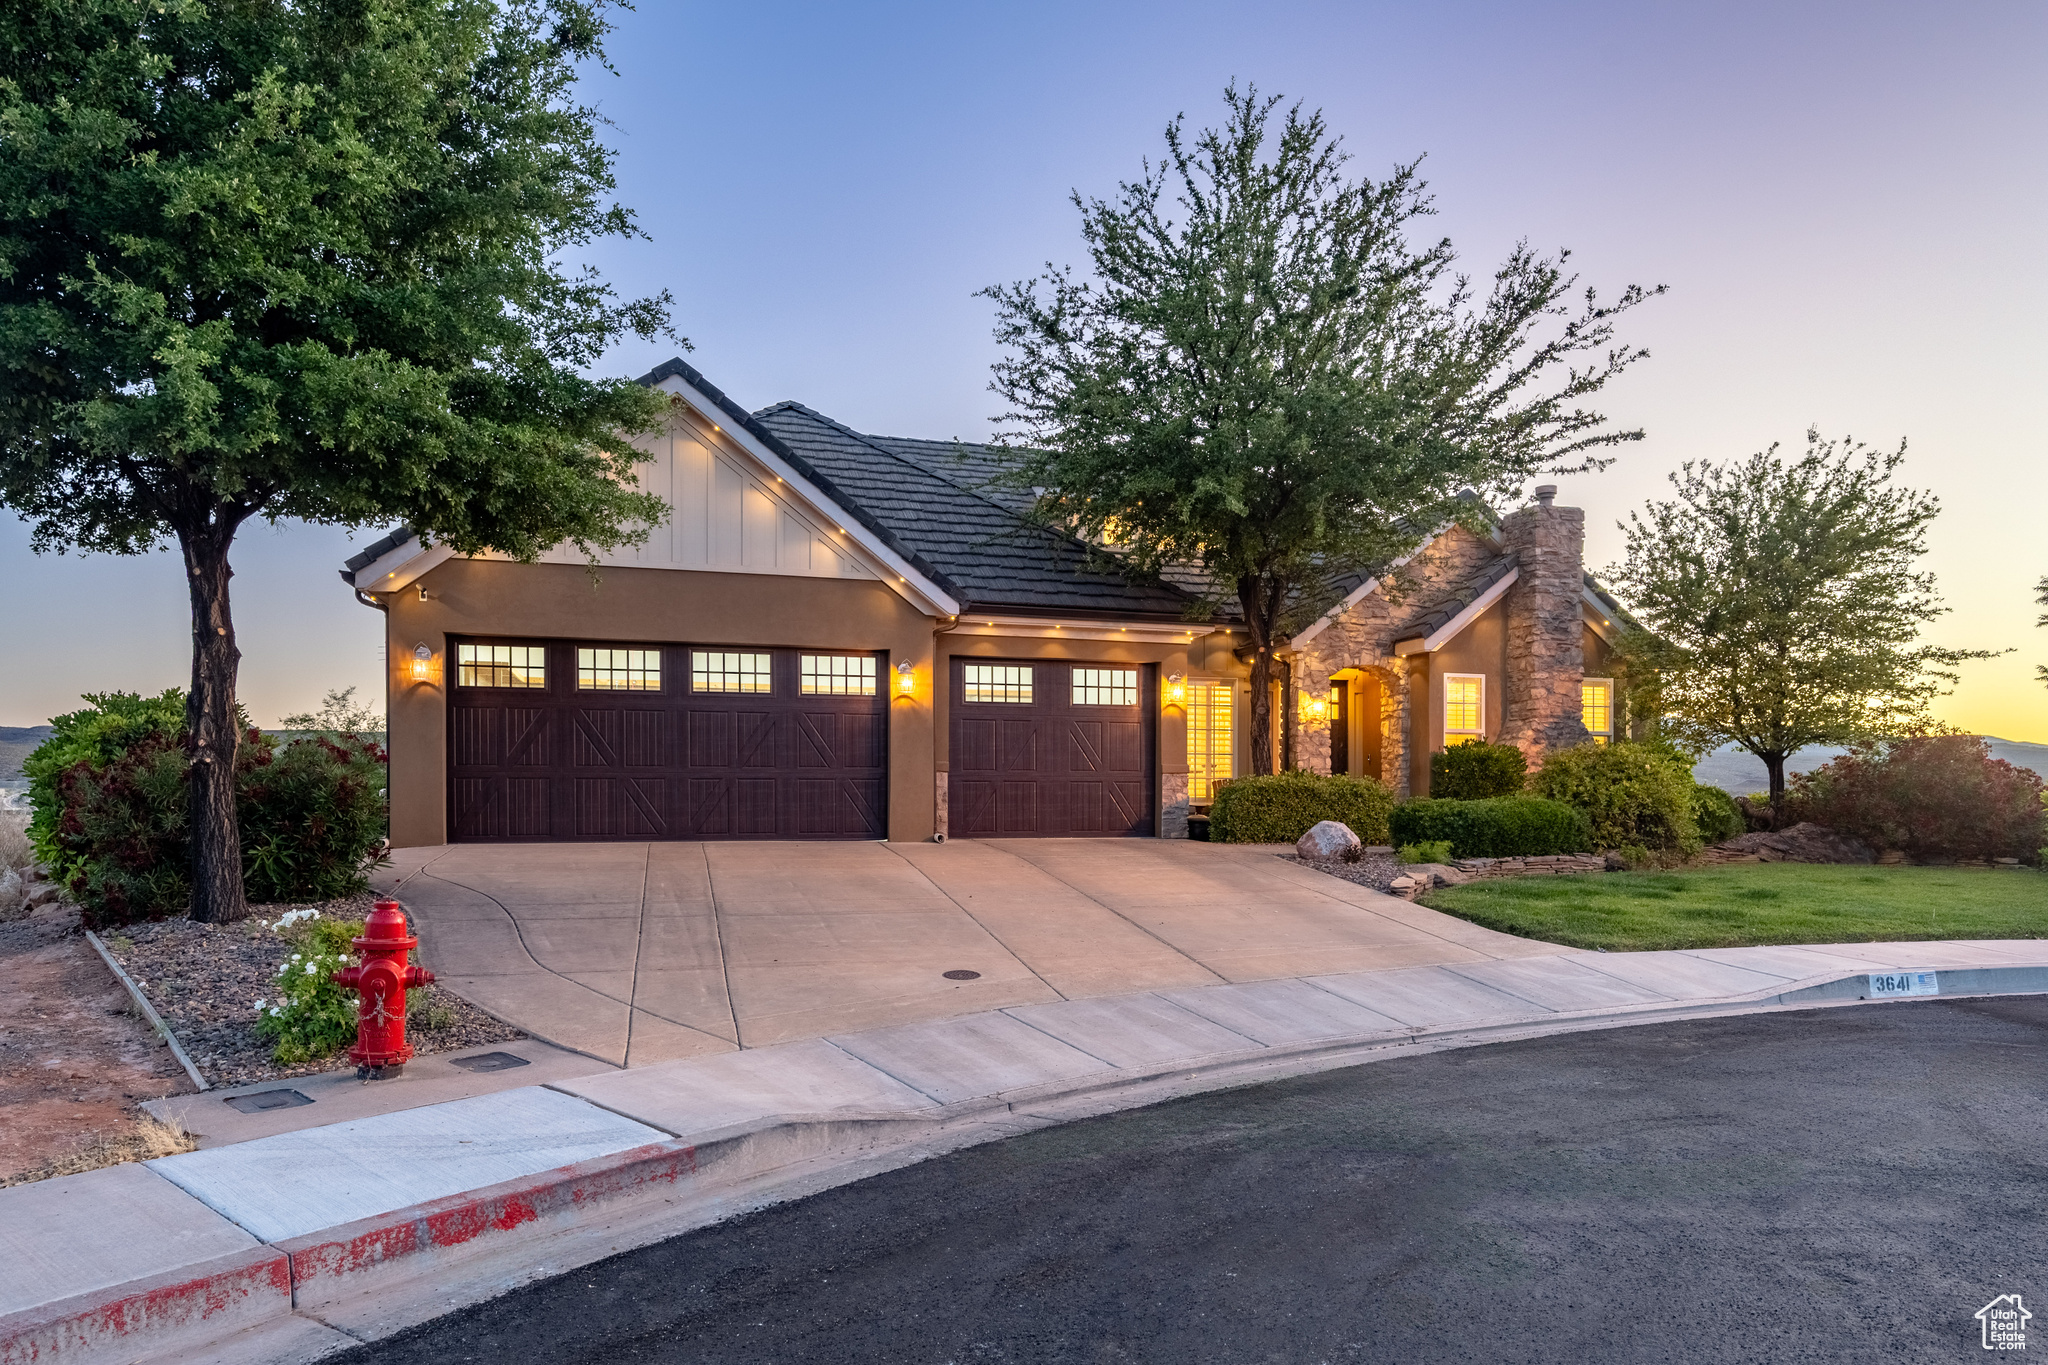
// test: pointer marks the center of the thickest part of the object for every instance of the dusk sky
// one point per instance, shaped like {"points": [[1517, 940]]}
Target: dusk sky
{"points": [[1847, 202]]}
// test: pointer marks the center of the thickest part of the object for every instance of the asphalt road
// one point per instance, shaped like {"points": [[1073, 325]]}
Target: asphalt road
{"points": [[1848, 1184]]}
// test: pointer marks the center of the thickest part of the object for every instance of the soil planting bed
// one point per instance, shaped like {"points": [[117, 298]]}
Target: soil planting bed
{"points": [[205, 980], [1374, 870]]}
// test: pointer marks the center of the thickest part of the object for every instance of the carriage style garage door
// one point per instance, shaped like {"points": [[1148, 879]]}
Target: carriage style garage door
{"points": [[557, 740], [1053, 747]]}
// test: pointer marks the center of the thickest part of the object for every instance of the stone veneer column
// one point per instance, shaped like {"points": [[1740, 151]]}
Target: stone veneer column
{"points": [[1545, 644]]}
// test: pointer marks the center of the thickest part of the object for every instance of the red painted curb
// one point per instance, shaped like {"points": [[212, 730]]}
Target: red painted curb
{"points": [[195, 1303], [340, 1260]]}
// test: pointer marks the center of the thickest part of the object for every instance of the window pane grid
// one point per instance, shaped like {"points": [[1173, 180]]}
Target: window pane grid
{"points": [[1105, 687], [997, 683], [1209, 738], [1596, 706], [1461, 706], [838, 675], [501, 666], [713, 671], [629, 670]]}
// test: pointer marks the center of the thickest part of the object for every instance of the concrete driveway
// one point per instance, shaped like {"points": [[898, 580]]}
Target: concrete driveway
{"points": [[638, 953]]}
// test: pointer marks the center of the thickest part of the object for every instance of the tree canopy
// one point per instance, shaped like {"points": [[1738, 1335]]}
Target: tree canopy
{"points": [[300, 258], [1782, 605], [1265, 378]]}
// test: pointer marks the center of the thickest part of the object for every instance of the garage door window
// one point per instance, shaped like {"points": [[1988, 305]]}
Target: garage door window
{"points": [[501, 666], [711, 671], [837, 675], [1105, 687], [618, 670], [997, 683]]}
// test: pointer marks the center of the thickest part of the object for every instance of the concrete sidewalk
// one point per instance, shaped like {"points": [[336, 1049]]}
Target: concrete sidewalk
{"points": [[639, 953], [294, 1245]]}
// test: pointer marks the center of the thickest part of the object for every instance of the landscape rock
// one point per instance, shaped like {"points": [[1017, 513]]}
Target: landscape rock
{"points": [[42, 893], [1802, 843], [10, 892], [1328, 839]]}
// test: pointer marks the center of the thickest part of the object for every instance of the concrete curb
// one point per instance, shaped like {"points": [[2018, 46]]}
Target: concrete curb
{"points": [[365, 1279], [184, 1309]]}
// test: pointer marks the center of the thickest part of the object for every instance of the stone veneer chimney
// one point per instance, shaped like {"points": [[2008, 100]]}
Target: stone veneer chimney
{"points": [[1546, 658]]}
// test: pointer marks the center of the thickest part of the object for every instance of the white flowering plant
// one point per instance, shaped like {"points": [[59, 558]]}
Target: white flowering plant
{"points": [[309, 1016]]}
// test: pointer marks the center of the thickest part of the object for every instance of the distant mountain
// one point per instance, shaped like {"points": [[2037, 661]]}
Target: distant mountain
{"points": [[1739, 772]]}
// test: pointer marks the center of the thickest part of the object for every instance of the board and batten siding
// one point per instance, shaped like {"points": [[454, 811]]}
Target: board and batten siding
{"points": [[727, 514]]}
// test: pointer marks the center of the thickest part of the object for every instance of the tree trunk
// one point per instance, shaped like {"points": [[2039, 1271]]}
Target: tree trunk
{"points": [[211, 734], [1260, 732], [1774, 764], [1289, 703]]}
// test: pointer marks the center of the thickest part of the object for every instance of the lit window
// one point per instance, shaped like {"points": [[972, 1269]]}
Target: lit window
{"points": [[1105, 687], [625, 670], [1464, 708], [838, 675], [501, 665], [711, 671], [997, 682], [1596, 708], [1209, 738]]}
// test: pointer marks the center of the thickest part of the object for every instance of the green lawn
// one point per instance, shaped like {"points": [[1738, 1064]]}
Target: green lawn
{"points": [[1726, 907]]}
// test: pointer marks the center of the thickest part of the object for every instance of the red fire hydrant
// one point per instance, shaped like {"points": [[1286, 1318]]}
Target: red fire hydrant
{"points": [[380, 982]]}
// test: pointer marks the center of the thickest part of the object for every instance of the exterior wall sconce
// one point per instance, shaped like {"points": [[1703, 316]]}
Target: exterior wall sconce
{"points": [[422, 663], [906, 679], [1314, 708], [1176, 687]]}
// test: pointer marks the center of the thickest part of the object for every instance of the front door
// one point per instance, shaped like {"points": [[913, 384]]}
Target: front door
{"points": [[1051, 747]]}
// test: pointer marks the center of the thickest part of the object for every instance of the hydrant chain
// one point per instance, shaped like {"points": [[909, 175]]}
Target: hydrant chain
{"points": [[380, 980]]}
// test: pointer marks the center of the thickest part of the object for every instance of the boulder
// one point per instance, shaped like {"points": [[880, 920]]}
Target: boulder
{"points": [[10, 891], [1328, 839], [1802, 843], [42, 893]]}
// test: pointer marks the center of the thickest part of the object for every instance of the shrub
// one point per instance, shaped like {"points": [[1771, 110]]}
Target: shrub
{"points": [[120, 833], [1473, 772], [1716, 814], [1281, 808], [1435, 851], [311, 813], [1502, 827], [112, 724], [1634, 794], [1927, 796], [111, 798]]}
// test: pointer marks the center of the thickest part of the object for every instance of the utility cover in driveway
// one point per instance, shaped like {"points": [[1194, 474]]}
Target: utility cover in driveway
{"points": [[558, 740], [1050, 747]]}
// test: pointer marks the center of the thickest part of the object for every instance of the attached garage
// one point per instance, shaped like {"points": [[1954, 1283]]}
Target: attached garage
{"points": [[576, 740], [1051, 747]]}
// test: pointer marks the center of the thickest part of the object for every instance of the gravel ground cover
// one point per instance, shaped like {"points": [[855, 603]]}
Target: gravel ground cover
{"points": [[205, 979], [1374, 870]]}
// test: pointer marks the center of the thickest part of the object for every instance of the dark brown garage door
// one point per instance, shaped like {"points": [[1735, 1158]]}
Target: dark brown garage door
{"points": [[559, 740], [1053, 748]]}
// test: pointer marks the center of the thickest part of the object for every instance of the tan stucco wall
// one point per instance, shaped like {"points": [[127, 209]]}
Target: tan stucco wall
{"points": [[628, 605]]}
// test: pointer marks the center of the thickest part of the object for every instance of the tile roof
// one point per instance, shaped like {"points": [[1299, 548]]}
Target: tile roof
{"points": [[934, 497], [1460, 597]]}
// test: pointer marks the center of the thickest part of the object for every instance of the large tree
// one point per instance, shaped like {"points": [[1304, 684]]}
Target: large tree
{"points": [[1264, 377], [299, 258], [1781, 603]]}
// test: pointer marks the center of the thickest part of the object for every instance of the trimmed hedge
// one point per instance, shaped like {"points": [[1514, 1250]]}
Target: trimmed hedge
{"points": [[1636, 795], [1473, 772], [1500, 827], [1281, 808]]}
